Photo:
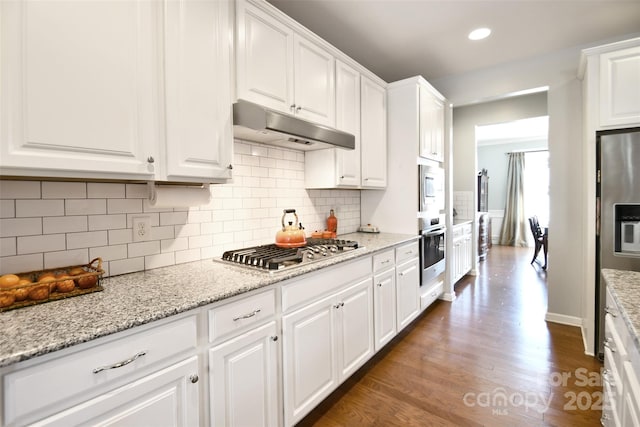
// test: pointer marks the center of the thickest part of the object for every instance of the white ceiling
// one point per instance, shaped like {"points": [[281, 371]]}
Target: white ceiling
{"points": [[402, 38]]}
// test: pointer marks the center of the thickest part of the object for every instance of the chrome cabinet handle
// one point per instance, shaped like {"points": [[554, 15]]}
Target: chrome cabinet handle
{"points": [[246, 316], [298, 109], [150, 159], [120, 364], [230, 167], [608, 310], [338, 305], [408, 252], [194, 378], [387, 261], [274, 338], [379, 285], [292, 107]]}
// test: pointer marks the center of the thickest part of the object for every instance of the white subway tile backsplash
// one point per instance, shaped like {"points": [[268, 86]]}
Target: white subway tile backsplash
{"points": [[159, 260], [64, 224], [86, 207], [108, 253], [116, 206], [98, 221], [173, 245], [190, 255], [127, 265], [65, 258], [7, 208], [20, 227], [39, 208], [107, 222], [102, 190], [7, 246], [20, 190], [87, 239], [21, 263], [64, 190], [144, 248], [40, 244], [118, 237]]}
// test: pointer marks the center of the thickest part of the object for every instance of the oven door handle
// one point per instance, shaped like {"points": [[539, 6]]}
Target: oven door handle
{"points": [[437, 232]]}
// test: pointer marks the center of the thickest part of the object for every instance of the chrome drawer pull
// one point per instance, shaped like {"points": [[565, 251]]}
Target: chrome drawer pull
{"points": [[607, 343], [387, 261], [119, 364], [246, 316], [608, 310]]}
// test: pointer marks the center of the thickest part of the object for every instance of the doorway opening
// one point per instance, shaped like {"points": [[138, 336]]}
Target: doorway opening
{"points": [[494, 143]]}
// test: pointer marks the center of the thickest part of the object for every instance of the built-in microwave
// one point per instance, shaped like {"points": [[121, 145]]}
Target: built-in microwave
{"points": [[431, 188]]}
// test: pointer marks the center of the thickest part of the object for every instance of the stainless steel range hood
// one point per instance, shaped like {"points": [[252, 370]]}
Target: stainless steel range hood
{"points": [[253, 122]]}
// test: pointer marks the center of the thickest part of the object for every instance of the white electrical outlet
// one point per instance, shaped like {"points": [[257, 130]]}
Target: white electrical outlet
{"points": [[141, 228]]}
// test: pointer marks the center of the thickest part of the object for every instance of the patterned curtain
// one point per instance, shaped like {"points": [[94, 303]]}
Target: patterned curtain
{"points": [[514, 230]]}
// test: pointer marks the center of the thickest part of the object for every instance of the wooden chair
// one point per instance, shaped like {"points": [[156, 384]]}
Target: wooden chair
{"points": [[540, 239]]}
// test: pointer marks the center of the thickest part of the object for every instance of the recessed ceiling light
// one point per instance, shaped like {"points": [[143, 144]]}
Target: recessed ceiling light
{"points": [[479, 34]]}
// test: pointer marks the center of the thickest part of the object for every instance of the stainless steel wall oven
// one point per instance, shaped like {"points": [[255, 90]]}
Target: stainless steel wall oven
{"points": [[432, 248]]}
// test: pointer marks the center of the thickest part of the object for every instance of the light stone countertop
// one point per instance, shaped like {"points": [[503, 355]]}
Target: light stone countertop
{"points": [[138, 298], [625, 288]]}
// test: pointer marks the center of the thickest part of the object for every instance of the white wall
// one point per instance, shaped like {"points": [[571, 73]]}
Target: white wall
{"points": [[558, 71], [48, 224]]}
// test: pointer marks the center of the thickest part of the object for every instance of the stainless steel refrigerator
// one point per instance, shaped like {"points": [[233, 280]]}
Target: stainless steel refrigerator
{"points": [[618, 211]]}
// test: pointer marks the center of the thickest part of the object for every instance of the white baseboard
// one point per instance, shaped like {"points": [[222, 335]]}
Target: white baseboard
{"points": [[563, 319], [447, 296], [584, 343]]}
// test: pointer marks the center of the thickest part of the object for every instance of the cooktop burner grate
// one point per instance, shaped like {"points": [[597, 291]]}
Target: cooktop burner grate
{"points": [[271, 257]]}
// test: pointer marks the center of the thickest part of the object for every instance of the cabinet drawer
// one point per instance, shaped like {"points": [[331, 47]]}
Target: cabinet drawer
{"points": [[406, 252], [383, 260], [241, 314], [457, 231], [433, 293], [61, 382]]}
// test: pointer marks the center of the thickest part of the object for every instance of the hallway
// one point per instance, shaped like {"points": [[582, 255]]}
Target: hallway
{"points": [[487, 359]]}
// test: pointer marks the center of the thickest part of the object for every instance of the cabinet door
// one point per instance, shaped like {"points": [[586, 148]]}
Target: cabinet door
{"points": [[407, 290], [314, 77], [168, 397], [264, 59], [373, 126], [355, 335], [309, 357], [243, 379], [620, 87], [631, 405], [431, 126], [79, 88], [384, 299], [348, 120], [198, 90]]}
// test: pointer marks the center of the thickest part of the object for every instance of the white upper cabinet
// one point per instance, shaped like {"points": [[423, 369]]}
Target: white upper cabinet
{"points": [[264, 58], [80, 88], [611, 85], [337, 167], [431, 124], [620, 87], [198, 90], [84, 92], [314, 82], [281, 69], [373, 125]]}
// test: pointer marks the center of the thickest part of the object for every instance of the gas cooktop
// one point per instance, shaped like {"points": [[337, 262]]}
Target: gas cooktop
{"points": [[273, 258]]}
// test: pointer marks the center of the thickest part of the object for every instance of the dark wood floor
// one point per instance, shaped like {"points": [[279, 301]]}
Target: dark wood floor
{"points": [[487, 359]]}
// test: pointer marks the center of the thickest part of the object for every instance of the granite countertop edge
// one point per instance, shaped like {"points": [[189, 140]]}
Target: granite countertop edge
{"points": [[135, 299], [625, 289]]}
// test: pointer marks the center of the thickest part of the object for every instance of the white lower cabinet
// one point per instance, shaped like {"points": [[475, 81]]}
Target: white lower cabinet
{"points": [[620, 384], [407, 292], [168, 397], [323, 343], [243, 379], [151, 366], [384, 299], [462, 251]]}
